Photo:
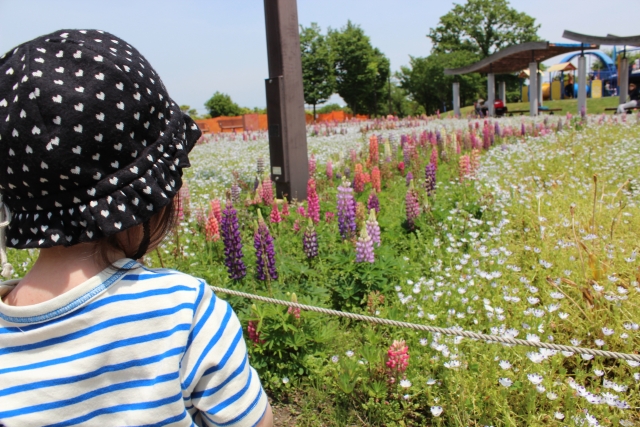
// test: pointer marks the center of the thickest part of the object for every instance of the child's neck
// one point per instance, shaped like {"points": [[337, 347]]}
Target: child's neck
{"points": [[56, 271]]}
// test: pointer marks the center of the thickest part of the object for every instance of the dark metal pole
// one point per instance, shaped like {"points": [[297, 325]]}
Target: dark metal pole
{"points": [[285, 100]]}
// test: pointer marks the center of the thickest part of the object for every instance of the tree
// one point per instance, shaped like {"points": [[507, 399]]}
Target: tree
{"points": [[192, 112], [482, 27], [361, 71], [220, 104], [426, 83], [317, 66]]}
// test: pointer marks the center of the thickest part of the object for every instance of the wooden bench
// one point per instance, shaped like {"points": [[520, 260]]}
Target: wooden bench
{"points": [[233, 123], [546, 110], [616, 109]]}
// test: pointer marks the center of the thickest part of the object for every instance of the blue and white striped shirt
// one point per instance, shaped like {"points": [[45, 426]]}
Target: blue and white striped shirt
{"points": [[130, 346]]}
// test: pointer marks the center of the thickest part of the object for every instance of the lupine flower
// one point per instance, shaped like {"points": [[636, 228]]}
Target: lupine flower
{"points": [[358, 184], [409, 178], [275, 216], [354, 155], [398, 357], [294, 311], [267, 190], [434, 158], [412, 206], [232, 243], [387, 152], [260, 166], [401, 168], [329, 170], [312, 164], [201, 219], [296, 225], [310, 241], [265, 252], [235, 193], [373, 229], [254, 335], [464, 167], [285, 207], [346, 210], [258, 197], [216, 209], [373, 150], [430, 179], [474, 161], [212, 230], [364, 247], [328, 217], [313, 209], [361, 212], [373, 202], [375, 179]]}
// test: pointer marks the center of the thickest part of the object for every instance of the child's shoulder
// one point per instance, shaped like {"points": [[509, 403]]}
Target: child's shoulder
{"points": [[162, 278]]}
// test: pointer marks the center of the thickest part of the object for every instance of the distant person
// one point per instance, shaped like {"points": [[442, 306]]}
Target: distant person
{"points": [[634, 99], [481, 107]]}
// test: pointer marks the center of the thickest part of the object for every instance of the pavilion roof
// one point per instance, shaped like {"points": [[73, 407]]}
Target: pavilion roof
{"points": [[608, 40], [517, 57]]}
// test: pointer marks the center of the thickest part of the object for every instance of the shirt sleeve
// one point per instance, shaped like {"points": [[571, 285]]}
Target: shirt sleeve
{"points": [[217, 377]]}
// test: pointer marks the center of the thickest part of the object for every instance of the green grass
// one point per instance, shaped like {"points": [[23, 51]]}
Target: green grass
{"points": [[594, 106]]}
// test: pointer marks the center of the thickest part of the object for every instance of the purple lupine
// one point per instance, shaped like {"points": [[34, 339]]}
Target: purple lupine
{"points": [[497, 130], [373, 229], [523, 130], [364, 247], [346, 210], [263, 242], [310, 241], [232, 243], [409, 178], [430, 179], [373, 202], [412, 206]]}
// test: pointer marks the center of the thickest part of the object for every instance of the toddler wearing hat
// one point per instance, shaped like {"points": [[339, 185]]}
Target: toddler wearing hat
{"points": [[91, 156]]}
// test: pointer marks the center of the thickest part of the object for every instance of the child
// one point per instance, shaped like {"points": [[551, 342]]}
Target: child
{"points": [[91, 155]]}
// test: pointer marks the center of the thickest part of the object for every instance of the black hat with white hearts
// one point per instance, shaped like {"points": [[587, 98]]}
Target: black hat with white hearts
{"points": [[90, 142]]}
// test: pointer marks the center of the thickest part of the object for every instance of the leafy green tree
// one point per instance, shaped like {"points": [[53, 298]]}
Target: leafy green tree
{"points": [[361, 70], [317, 66], [482, 27], [192, 112], [425, 81], [220, 104], [329, 108]]}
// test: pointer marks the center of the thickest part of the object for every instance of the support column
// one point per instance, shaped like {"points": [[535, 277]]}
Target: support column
{"points": [[456, 99], [285, 100], [540, 97], [491, 93], [623, 80], [502, 92], [582, 84], [533, 88]]}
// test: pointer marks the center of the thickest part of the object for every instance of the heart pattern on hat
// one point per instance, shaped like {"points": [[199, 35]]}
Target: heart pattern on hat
{"points": [[62, 96]]}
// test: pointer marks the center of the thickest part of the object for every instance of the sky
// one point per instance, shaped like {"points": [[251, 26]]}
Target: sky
{"points": [[199, 47]]}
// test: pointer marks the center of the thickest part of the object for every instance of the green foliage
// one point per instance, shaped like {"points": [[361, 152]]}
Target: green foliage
{"points": [[482, 27], [361, 70], [426, 83], [220, 104], [328, 108], [317, 66], [192, 112]]}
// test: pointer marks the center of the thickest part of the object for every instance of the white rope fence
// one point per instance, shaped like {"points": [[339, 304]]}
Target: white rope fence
{"points": [[435, 329]]}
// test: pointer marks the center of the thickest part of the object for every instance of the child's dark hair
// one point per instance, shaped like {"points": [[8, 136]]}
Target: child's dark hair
{"points": [[132, 242]]}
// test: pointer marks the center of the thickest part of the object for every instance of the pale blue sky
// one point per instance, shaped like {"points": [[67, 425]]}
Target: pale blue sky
{"points": [[200, 46]]}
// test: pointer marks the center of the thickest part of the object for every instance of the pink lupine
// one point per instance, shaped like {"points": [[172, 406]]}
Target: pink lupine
{"points": [[398, 357], [329, 170], [465, 167], [212, 228], [285, 207], [267, 190], [275, 216], [313, 210], [312, 164], [412, 206], [216, 209], [434, 158]]}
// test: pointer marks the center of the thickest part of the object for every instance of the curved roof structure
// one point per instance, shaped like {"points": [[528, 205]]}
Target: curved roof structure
{"points": [[517, 57], [608, 40]]}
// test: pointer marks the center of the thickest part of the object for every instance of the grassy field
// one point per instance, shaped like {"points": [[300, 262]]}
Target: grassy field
{"points": [[594, 106]]}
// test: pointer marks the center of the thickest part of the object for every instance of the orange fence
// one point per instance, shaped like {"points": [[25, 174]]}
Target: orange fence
{"points": [[254, 122]]}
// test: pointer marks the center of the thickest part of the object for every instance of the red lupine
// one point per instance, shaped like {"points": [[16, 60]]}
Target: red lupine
{"points": [[375, 179]]}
